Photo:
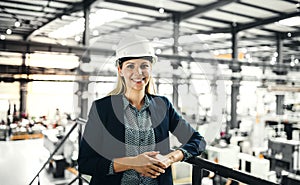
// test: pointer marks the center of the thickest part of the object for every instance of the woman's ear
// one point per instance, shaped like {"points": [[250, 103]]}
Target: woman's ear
{"points": [[120, 71]]}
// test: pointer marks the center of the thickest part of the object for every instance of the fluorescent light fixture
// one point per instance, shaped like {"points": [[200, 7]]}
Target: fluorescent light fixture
{"points": [[98, 18], [70, 30], [52, 60], [293, 21]]}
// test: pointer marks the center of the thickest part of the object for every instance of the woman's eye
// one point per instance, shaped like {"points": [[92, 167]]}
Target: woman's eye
{"points": [[144, 66], [130, 66]]}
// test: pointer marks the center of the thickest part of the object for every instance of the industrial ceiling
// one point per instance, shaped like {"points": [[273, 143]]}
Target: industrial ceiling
{"points": [[263, 29]]}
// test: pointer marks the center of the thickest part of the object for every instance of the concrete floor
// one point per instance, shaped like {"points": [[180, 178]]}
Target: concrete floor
{"points": [[21, 160]]}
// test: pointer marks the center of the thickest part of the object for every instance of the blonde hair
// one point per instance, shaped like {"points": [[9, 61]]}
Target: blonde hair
{"points": [[121, 87]]}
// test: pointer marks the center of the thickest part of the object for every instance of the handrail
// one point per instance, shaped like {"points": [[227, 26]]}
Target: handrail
{"points": [[56, 149], [80, 122], [199, 164]]}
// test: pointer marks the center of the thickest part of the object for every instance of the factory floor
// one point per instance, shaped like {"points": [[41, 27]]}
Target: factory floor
{"points": [[21, 160]]}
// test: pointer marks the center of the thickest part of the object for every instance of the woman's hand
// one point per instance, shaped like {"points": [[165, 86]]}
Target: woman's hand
{"points": [[148, 165], [170, 158], [165, 159]]}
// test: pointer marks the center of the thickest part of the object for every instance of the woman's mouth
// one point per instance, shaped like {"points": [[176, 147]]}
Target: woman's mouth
{"points": [[140, 80]]}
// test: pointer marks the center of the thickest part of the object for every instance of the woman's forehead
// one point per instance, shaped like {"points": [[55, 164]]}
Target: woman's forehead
{"points": [[137, 61]]}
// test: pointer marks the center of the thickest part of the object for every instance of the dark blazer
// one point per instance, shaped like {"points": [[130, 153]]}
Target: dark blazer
{"points": [[104, 137]]}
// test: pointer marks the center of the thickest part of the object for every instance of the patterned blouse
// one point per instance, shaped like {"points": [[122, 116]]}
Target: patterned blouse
{"points": [[139, 138]]}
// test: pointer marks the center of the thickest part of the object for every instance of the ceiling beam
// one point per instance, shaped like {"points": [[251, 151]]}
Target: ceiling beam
{"points": [[31, 47], [259, 7], [13, 70], [138, 5], [36, 5], [262, 22], [74, 8], [26, 10], [202, 9]]}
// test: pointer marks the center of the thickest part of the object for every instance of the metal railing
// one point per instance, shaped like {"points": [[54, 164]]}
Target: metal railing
{"points": [[199, 165], [79, 122]]}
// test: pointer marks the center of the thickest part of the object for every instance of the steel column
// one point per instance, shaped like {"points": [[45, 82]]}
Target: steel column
{"points": [[83, 85], [235, 67], [279, 104], [279, 71], [23, 89], [235, 88], [175, 65]]}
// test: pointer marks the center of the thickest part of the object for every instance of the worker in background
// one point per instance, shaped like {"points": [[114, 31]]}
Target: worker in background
{"points": [[126, 139]]}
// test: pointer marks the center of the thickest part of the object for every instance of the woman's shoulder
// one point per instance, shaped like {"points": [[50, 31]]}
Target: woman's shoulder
{"points": [[106, 99], [158, 98]]}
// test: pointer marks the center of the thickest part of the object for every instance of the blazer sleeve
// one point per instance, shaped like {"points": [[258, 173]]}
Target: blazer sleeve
{"points": [[90, 160], [190, 139]]}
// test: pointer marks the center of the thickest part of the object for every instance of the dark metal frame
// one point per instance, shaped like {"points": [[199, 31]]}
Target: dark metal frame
{"points": [[200, 164], [79, 122]]}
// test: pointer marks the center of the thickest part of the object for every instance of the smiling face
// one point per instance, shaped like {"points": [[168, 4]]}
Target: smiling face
{"points": [[136, 74]]}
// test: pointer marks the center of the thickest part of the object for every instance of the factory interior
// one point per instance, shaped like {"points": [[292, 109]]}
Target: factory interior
{"points": [[229, 67]]}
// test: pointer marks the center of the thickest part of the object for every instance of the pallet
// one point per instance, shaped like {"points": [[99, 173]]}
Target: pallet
{"points": [[26, 136]]}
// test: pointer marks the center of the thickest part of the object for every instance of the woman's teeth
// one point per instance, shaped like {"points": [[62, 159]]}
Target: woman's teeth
{"points": [[137, 80]]}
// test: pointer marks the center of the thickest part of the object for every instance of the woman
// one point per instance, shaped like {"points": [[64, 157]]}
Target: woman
{"points": [[126, 139]]}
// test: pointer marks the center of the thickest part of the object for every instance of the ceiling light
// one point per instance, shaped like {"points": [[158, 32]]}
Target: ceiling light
{"points": [[273, 61], [161, 10], [2, 37], [216, 52], [70, 30], [103, 16], [158, 51], [293, 21], [95, 33], [8, 31], [97, 19], [77, 38], [63, 42], [292, 64], [17, 24], [51, 60]]}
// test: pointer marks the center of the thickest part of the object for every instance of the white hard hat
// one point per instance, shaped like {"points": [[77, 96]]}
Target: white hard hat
{"points": [[135, 46]]}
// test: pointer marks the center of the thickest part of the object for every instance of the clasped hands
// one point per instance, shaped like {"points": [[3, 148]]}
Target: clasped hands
{"points": [[151, 164]]}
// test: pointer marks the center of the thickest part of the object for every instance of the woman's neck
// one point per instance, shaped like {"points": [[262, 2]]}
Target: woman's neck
{"points": [[136, 99]]}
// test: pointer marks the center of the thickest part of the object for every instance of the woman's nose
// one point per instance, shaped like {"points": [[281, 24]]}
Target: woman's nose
{"points": [[138, 70]]}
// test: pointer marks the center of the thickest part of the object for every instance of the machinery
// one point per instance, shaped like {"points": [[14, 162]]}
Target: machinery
{"points": [[231, 157], [284, 155], [227, 156], [3, 132], [258, 167]]}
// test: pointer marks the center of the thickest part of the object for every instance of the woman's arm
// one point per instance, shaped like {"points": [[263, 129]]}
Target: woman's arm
{"points": [[145, 164], [191, 140], [171, 158]]}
